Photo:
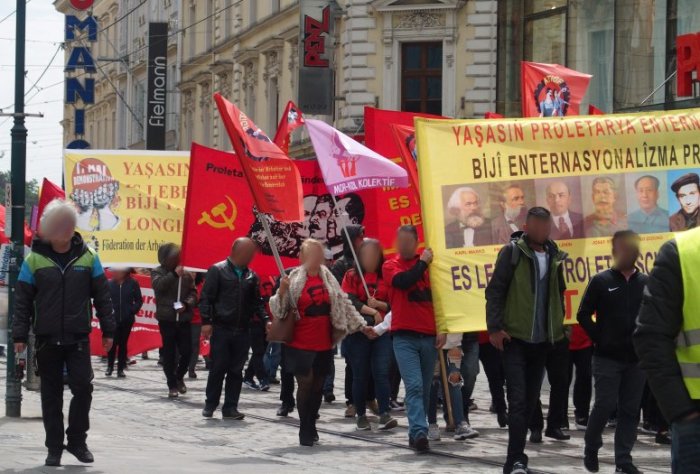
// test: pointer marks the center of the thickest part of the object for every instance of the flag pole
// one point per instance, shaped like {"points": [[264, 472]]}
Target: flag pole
{"points": [[275, 252], [352, 248]]}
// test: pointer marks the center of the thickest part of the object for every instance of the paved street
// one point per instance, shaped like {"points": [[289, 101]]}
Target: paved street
{"points": [[135, 428]]}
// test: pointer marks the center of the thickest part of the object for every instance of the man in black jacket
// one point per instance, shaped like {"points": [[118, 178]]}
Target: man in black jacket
{"points": [[127, 301], [230, 300], [56, 284], [666, 336], [614, 296], [176, 297]]}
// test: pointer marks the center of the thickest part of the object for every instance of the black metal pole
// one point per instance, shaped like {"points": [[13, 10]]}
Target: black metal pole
{"points": [[13, 394]]}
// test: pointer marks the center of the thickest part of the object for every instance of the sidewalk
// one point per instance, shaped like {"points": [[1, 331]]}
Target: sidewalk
{"points": [[135, 428]]}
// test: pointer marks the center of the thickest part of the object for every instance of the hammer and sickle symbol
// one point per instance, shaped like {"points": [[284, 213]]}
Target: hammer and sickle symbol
{"points": [[218, 218]]}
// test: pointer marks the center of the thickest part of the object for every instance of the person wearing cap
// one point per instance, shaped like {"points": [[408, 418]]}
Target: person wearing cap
{"points": [[176, 297], [687, 191]]}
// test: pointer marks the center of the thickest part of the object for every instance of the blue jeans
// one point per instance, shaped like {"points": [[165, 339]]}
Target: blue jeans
{"points": [[416, 356], [455, 395], [469, 370], [272, 359], [369, 357], [685, 456]]}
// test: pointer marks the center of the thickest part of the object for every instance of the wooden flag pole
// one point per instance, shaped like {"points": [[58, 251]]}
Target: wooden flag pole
{"points": [[275, 252], [446, 389]]}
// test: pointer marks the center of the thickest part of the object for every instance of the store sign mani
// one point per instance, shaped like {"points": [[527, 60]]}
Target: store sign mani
{"points": [[79, 58], [688, 52]]}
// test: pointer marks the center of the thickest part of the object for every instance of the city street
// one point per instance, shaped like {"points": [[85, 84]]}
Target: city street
{"points": [[135, 428]]}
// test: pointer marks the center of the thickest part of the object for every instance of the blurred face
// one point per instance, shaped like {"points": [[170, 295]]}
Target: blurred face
{"points": [[120, 275], [558, 198], [538, 230], [369, 257], [173, 260], [626, 253], [647, 194], [689, 197], [60, 229], [312, 258], [406, 244], [244, 253], [604, 198], [468, 205], [515, 198]]}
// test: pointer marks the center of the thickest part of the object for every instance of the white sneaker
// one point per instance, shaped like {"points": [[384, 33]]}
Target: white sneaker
{"points": [[433, 432], [465, 431]]}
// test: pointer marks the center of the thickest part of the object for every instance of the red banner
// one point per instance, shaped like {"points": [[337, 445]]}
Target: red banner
{"points": [[215, 216], [145, 335], [392, 206], [593, 110], [272, 176], [290, 121], [551, 90], [406, 143]]}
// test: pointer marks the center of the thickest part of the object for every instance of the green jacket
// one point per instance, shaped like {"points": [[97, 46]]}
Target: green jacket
{"points": [[511, 292]]}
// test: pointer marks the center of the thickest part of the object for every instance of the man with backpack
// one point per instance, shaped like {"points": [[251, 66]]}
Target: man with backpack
{"points": [[525, 317]]}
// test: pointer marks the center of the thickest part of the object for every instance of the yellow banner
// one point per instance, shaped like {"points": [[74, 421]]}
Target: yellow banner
{"points": [[596, 174], [129, 202]]}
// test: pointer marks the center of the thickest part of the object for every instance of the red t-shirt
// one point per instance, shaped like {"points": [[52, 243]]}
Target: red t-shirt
{"points": [[352, 285], [579, 338], [313, 331], [411, 308]]}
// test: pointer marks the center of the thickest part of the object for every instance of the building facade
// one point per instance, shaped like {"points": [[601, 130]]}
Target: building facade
{"points": [[456, 58]]}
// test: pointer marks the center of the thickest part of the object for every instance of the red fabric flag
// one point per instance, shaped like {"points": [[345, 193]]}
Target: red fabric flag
{"points": [[406, 142], [493, 115], [49, 191], [272, 176], [593, 110], [28, 235], [290, 121], [551, 90]]}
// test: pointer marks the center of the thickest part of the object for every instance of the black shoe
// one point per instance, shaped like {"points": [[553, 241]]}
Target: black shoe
{"points": [[251, 384], [181, 387], [535, 436], [54, 458], [329, 397], [421, 444], [192, 374], [208, 412], [590, 460], [306, 440], [232, 414], [502, 419], [492, 408], [108, 372], [628, 469], [274, 381], [519, 467], [581, 423], [662, 438], [121, 374], [556, 433], [284, 410], [81, 453]]}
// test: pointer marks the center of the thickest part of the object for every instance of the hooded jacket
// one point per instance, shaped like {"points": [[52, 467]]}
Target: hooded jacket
{"points": [[165, 288], [126, 300], [59, 300], [512, 291], [347, 261]]}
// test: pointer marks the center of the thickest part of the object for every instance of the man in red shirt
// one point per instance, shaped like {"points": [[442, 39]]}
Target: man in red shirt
{"points": [[413, 329]]}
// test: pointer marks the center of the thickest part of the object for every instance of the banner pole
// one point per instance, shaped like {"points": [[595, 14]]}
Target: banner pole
{"points": [[352, 248], [273, 245], [446, 389]]}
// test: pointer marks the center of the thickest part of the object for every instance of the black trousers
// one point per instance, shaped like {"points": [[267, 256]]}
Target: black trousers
{"points": [[524, 366], [121, 339], [583, 386], [177, 348], [229, 351], [492, 361], [258, 344], [286, 381], [557, 366], [51, 360]]}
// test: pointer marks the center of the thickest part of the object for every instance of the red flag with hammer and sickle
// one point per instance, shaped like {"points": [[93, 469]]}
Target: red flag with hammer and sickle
{"points": [[272, 176]]}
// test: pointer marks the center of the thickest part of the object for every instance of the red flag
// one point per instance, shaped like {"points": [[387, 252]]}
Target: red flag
{"points": [[290, 121], [6, 240], [593, 110], [493, 115], [551, 90], [406, 142], [49, 191], [272, 176]]}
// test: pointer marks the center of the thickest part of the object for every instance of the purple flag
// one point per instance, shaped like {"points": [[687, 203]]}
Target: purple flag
{"points": [[349, 166]]}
